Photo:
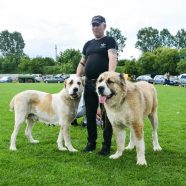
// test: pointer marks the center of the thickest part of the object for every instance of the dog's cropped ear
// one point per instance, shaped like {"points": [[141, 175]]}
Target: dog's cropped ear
{"points": [[65, 83], [122, 78]]}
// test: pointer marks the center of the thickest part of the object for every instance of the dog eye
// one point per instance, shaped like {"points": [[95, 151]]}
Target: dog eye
{"points": [[100, 80], [79, 83], [71, 82], [109, 81]]}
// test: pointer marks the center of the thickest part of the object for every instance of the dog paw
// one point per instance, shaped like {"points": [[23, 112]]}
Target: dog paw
{"points": [[73, 150], [129, 147], [158, 148], [141, 162], [34, 141], [114, 156], [62, 148], [13, 148]]}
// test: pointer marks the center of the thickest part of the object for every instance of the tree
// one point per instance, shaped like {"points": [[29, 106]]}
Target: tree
{"points": [[166, 39], [180, 39], [11, 47], [182, 53], [9, 65], [121, 62], [167, 60], [181, 66], [69, 59], [67, 68], [48, 61], [147, 63], [39, 63], [25, 65], [147, 39], [1, 62], [11, 43], [119, 38], [52, 69], [36, 65], [131, 67]]}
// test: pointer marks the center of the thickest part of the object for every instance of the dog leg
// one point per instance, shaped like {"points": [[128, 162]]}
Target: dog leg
{"points": [[154, 121], [19, 119], [13, 137], [140, 145], [28, 131], [67, 139], [120, 135], [131, 144], [60, 140]]}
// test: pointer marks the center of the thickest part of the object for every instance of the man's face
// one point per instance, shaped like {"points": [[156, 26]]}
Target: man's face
{"points": [[98, 29]]}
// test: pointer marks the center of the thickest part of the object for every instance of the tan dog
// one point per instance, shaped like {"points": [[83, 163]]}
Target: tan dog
{"points": [[127, 104], [57, 109]]}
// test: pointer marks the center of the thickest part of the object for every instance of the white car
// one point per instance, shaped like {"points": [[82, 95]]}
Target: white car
{"points": [[38, 77], [182, 79], [6, 79], [144, 78], [159, 79]]}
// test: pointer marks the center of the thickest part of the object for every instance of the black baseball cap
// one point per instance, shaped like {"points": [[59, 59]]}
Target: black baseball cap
{"points": [[98, 19]]}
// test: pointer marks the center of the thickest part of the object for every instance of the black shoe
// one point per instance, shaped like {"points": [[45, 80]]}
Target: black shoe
{"points": [[84, 124], [74, 122], [104, 151], [90, 147]]}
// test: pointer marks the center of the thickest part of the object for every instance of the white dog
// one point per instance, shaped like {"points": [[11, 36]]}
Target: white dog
{"points": [[127, 104], [57, 109]]}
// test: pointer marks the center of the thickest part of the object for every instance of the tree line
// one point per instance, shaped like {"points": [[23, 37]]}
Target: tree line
{"points": [[161, 52], [149, 39]]}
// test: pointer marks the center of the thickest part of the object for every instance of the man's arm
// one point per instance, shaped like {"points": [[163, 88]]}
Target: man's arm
{"points": [[81, 66], [112, 55]]}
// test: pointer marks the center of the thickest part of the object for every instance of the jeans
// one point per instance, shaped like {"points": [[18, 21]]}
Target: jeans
{"points": [[91, 105]]}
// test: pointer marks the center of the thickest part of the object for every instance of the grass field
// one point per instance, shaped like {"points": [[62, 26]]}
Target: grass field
{"points": [[43, 164]]}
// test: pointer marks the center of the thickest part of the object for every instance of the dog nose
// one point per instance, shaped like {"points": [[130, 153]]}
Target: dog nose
{"points": [[75, 90], [101, 89]]}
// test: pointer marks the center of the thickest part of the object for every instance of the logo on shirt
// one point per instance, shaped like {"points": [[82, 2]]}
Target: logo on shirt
{"points": [[103, 45]]}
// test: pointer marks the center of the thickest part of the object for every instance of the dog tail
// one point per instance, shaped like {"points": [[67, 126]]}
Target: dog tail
{"points": [[11, 106]]}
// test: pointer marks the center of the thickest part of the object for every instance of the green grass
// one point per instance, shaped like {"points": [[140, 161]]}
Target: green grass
{"points": [[43, 164]]}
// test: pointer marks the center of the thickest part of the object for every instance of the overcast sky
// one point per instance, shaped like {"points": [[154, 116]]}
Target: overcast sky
{"points": [[44, 23]]}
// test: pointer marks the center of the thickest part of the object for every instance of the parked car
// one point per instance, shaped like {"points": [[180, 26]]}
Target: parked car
{"points": [[144, 78], [26, 78], [55, 79], [65, 76], [47, 76], [182, 79], [6, 79], [159, 79], [38, 77], [174, 80]]}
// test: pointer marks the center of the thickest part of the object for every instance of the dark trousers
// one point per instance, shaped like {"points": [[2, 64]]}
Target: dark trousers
{"points": [[91, 104]]}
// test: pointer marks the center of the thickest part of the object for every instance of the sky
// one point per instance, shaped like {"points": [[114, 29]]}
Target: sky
{"points": [[66, 23]]}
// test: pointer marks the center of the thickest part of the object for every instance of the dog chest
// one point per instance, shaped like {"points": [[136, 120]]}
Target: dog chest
{"points": [[118, 118]]}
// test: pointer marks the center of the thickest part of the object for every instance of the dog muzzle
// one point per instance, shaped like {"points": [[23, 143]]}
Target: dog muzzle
{"points": [[74, 96], [103, 98]]}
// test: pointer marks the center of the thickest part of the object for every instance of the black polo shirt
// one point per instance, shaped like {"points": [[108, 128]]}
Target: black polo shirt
{"points": [[96, 55]]}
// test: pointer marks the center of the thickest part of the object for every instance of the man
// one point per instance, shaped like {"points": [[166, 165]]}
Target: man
{"points": [[99, 55]]}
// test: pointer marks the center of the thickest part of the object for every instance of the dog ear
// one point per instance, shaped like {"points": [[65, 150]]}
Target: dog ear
{"points": [[122, 78], [65, 83]]}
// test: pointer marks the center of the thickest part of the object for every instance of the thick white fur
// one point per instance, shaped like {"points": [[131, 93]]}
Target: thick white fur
{"points": [[57, 109]]}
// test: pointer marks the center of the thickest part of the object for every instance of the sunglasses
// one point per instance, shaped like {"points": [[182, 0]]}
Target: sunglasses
{"points": [[95, 24]]}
